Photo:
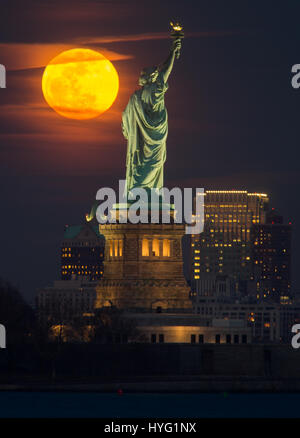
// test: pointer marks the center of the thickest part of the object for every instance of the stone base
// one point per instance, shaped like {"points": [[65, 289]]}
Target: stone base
{"points": [[144, 295], [143, 268]]}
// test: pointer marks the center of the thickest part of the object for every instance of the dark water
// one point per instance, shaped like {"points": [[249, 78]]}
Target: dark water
{"points": [[97, 405]]}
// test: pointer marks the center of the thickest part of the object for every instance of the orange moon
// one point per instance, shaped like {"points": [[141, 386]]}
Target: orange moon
{"points": [[80, 84]]}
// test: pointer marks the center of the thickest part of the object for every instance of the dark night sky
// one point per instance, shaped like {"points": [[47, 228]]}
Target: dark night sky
{"points": [[233, 114]]}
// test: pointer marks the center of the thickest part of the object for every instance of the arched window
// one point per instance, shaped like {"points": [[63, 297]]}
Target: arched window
{"points": [[111, 248]]}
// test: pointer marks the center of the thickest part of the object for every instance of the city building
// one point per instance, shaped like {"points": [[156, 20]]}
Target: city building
{"points": [[271, 256], [82, 252], [263, 318], [66, 300], [182, 328], [289, 315], [225, 247]]}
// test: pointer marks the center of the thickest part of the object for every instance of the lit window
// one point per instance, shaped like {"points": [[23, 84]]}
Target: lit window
{"points": [[116, 248], [145, 248], [120, 248], [111, 248], [166, 248], [155, 247]]}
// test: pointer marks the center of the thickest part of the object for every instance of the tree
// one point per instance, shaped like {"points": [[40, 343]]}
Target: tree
{"points": [[15, 314], [112, 326]]}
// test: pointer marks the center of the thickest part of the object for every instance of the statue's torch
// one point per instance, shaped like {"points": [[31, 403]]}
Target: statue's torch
{"points": [[177, 33]]}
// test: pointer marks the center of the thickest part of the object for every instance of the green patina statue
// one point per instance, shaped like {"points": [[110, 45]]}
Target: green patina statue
{"points": [[145, 126]]}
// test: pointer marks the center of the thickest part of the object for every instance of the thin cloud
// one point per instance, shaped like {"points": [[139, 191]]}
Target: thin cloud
{"points": [[20, 56], [150, 36], [23, 56]]}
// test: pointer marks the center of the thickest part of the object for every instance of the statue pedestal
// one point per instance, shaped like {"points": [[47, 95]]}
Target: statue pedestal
{"points": [[143, 268]]}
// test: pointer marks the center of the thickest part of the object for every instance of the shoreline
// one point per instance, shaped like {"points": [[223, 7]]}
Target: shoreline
{"points": [[211, 385]]}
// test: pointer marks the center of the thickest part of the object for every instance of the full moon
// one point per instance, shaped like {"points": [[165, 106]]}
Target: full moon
{"points": [[80, 84]]}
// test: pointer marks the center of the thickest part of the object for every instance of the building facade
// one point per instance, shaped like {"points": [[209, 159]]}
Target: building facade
{"points": [[289, 315], [271, 255], [82, 252], [245, 242], [262, 318], [66, 300], [192, 329], [225, 247], [144, 268]]}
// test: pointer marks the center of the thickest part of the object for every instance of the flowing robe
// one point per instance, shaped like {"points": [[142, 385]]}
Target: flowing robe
{"points": [[145, 126]]}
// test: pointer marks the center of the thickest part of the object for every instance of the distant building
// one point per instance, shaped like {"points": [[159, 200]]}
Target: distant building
{"points": [[65, 300], [225, 247], [263, 318], [289, 315], [82, 252], [271, 254], [182, 328], [212, 284]]}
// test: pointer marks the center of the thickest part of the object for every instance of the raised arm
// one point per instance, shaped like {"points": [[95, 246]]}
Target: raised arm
{"points": [[167, 66]]}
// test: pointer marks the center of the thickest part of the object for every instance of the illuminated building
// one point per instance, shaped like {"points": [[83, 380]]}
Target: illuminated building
{"points": [[272, 258], [179, 328], [82, 252], [144, 268], [225, 247]]}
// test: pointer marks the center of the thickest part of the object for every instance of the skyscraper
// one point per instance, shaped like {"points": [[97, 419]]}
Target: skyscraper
{"points": [[272, 257], [225, 248], [82, 252]]}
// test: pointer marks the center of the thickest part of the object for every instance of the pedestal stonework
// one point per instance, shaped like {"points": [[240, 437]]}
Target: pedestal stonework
{"points": [[143, 268]]}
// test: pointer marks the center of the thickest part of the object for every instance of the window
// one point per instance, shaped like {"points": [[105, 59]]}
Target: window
{"points": [[166, 248], [228, 339], [244, 339], [155, 247], [120, 248], [236, 339], [161, 338], [193, 339], [116, 248], [218, 339], [201, 339], [145, 248], [153, 338], [110, 248]]}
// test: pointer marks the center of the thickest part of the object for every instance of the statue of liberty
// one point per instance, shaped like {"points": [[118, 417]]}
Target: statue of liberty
{"points": [[145, 126]]}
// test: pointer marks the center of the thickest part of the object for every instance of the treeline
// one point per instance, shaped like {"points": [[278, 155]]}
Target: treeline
{"points": [[41, 327]]}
